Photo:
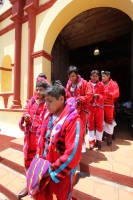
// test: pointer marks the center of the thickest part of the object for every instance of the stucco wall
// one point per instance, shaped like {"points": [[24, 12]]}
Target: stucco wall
{"points": [[42, 64], [5, 23], [39, 19], [9, 123], [5, 6], [43, 1], [6, 76], [7, 45], [1, 102], [10, 99], [6, 58]]}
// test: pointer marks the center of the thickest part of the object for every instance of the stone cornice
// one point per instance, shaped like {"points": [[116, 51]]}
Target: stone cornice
{"points": [[30, 9], [42, 53], [16, 18], [5, 69]]}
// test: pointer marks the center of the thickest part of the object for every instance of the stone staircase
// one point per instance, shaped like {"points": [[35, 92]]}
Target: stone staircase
{"points": [[105, 174], [12, 173]]}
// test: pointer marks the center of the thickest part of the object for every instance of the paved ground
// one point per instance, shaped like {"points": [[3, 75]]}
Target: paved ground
{"points": [[4, 141], [115, 159], [118, 157], [101, 189]]}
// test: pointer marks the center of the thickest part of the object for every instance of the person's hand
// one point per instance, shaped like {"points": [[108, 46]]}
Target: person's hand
{"points": [[26, 117], [95, 96]]}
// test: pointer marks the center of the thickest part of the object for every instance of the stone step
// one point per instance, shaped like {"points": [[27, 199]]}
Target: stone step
{"points": [[17, 144], [13, 159], [86, 188], [11, 183], [5, 141], [94, 188], [113, 163]]}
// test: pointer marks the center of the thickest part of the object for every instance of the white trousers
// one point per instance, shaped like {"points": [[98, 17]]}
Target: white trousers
{"points": [[109, 128], [91, 135]]}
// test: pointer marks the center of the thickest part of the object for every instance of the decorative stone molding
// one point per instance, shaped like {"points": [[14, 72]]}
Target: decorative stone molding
{"points": [[5, 96], [42, 53], [12, 110], [5, 69]]}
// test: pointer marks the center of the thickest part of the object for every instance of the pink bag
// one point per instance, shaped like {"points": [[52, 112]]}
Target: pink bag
{"points": [[38, 168]]}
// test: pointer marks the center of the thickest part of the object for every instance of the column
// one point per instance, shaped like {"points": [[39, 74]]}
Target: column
{"points": [[31, 11], [17, 13], [17, 64]]}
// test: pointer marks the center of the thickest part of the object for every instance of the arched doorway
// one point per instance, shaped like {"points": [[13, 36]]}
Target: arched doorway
{"points": [[58, 16], [107, 29], [63, 11]]}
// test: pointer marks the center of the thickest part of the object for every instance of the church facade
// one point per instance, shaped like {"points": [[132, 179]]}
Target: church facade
{"points": [[28, 30]]}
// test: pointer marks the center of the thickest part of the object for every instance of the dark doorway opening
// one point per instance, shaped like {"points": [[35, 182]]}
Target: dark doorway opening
{"points": [[107, 29], [115, 56]]}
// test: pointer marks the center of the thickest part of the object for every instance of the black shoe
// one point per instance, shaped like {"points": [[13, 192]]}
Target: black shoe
{"points": [[96, 144], [113, 137], [23, 193], [109, 140], [99, 145], [104, 135]]}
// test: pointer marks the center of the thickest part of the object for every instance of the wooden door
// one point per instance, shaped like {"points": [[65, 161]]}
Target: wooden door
{"points": [[60, 62]]}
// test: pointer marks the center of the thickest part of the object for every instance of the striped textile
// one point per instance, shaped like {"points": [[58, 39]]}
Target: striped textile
{"points": [[35, 173]]}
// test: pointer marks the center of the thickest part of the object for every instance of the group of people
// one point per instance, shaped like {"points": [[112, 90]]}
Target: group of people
{"points": [[95, 104], [55, 124]]}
